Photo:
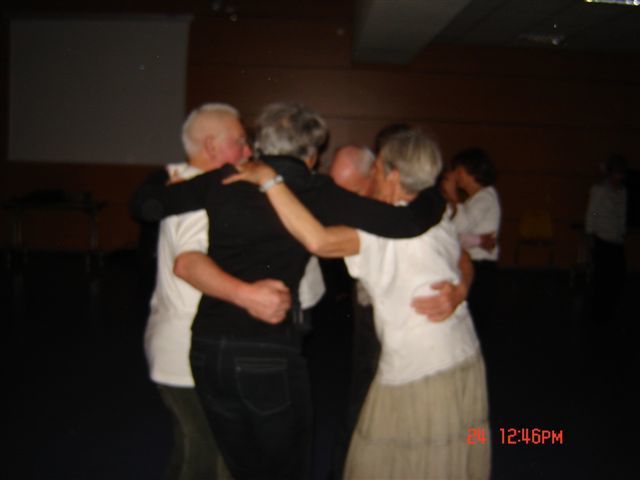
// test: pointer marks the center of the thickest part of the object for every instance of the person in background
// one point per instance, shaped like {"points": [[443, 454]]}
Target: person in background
{"points": [[478, 214], [351, 168], [385, 133], [454, 195], [605, 226]]}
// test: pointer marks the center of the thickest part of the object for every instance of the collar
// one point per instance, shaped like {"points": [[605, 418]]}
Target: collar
{"points": [[292, 169]]}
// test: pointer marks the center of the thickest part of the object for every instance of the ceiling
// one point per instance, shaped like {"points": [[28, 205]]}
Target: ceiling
{"points": [[410, 25], [394, 31], [568, 24]]}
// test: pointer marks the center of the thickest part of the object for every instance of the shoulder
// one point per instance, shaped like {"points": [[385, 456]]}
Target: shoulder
{"points": [[597, 192], [488, 196], [322, 181]]}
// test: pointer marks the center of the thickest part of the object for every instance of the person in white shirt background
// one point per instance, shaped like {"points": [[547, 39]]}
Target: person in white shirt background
{"points": [[477, 219], [606, 226], [430, 387]]}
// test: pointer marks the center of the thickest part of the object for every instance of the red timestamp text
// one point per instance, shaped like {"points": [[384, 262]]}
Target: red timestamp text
{"points": [[518, 436]]}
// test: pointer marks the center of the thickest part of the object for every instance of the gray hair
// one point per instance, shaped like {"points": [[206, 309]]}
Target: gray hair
{"points": [[191, 138], [416, 157], [365, 161], [290, 129]]}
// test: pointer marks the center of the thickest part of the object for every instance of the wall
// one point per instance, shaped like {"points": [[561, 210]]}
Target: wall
{"points": [[547, 118]]}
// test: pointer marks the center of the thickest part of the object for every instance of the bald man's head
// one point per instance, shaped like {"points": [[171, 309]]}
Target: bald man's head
{"points": [[351, 168]]}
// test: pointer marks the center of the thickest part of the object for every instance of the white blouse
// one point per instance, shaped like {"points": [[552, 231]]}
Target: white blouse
{"points": [[393, 272], [478, 215]]}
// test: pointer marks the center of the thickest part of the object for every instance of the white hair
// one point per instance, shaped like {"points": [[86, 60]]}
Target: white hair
{"points": [[290, 129], [416, 157], [191, 138], [365, 161]]}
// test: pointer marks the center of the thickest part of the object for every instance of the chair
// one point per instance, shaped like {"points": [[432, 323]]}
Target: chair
{"points": [[536, 231]]}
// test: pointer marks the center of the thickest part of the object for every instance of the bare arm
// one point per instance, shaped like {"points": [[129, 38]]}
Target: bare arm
{"points": [[440, 307], [320, 240], [267, 300], [486, 241]]}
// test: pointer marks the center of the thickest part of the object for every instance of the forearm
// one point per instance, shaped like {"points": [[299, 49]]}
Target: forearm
{"points": [[469, 240], [202, 273], [139, 207], [298, 220], [267, 300], [441, 306], [155, 199], [381, 219], [466, 273]]}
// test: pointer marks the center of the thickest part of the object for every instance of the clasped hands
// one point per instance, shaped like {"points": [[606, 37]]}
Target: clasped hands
{"points": [[269, 300]]}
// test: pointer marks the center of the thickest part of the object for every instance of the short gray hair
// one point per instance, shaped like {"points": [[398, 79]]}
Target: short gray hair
{"points": [[365, 161], [416, 157], [191, 141], [290, 129]]}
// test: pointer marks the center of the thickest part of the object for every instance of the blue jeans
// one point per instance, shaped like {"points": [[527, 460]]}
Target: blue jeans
{"points": [[257, 399]]}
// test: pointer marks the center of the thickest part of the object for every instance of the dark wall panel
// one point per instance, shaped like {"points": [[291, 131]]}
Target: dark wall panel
{"points": [[546, 117]]}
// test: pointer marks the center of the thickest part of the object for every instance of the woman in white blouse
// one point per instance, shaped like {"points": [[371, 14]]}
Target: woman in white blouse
{"points": [[479, 214], [426, 412]]}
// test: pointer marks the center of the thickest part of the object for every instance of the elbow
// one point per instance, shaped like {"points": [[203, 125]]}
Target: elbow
{"points": [[319, 246], [181, 265], [315, 248], [326, 250]]}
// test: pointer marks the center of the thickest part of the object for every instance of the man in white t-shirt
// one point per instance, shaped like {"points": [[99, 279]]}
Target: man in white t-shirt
{"points": [[212, 136]]}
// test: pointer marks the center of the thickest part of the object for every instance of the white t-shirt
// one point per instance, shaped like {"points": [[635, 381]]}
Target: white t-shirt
{"points": [[395, 271], [478, 215], [312, 287], [174, 302], [607, 213]]}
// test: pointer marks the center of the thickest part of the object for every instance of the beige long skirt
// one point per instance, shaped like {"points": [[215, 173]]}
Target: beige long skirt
{"points": [[421, 430]]}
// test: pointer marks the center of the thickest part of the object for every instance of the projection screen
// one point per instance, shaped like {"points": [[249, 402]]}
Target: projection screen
{"points": [[97, 90]]}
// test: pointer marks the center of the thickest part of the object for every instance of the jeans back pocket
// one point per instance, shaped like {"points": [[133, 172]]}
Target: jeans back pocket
{"points": [[263, 383]]}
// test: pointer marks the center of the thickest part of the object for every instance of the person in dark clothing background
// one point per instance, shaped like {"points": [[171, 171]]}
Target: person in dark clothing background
{"points": [[605, 226]]}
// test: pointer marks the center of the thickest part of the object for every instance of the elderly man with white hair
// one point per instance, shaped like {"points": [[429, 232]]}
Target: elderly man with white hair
{"points": [[430, 390], [212, 136]]}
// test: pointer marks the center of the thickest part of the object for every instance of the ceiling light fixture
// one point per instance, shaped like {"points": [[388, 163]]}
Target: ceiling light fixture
{"points": [[630, 3], [549, 39]]}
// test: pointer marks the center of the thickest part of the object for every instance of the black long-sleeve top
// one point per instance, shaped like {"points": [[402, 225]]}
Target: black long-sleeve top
{"points": [[248, 240]]}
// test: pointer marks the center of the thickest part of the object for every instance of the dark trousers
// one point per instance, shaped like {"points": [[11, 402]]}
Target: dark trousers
{"points": [[609, 272], [195, 454], [482, 298], [256, 397]]}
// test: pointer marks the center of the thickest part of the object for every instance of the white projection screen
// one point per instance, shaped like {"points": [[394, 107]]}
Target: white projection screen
{"points": [[97, 90]]}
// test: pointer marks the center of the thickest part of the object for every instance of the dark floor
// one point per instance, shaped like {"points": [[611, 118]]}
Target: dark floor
{"points": [[83, 407]]}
